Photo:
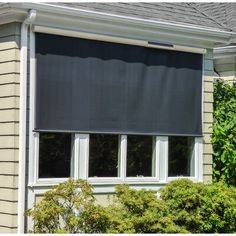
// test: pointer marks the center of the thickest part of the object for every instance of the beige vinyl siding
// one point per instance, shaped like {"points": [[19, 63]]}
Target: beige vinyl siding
{"points": [[207, 115], [9, 125]]}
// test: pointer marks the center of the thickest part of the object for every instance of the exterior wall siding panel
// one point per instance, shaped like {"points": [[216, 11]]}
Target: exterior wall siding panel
{"points": [[207, 116], [9, 125]]}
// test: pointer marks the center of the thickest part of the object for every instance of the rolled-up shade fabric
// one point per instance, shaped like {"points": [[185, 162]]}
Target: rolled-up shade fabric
{"points": [[101, 87]]}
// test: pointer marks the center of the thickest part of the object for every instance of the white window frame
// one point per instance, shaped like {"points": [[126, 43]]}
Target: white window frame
{"points": [[104, 180], [80, 163], [48, 181], [122, 159], [155, 171], [197, 163]]}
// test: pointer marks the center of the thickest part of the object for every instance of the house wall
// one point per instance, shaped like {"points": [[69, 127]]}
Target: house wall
{"points": [[207, 115], [9, 123]]}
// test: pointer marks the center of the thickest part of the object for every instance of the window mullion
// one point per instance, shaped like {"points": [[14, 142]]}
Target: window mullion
{"points": [[82, 153], [156, 158], [36, 163], [75, 163], [162, 157], [198, 158], [123, 156]]}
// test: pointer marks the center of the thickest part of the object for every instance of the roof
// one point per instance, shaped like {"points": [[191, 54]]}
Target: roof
{"points": [[194, 24], [225, 13], [214, 15]]}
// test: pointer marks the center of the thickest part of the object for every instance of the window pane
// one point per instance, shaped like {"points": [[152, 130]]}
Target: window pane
{"points": [[181, 156], [103, 155], [139, 156], [54, 155]]}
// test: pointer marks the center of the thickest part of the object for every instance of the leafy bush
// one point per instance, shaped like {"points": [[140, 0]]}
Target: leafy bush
{"points": [[140, 212], [183, 207], [68, 208], [224, 132], [201, 208]]}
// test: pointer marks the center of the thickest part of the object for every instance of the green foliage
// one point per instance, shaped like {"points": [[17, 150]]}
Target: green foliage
{"points": [[224, 133], [140, 212], [201, 208], [183, 207], [184, 200], [68, 208], [219, 209]]}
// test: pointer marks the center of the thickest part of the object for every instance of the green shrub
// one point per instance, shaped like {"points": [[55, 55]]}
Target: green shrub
{"points": [[183, 207], [140, 211], [219, 209], [224, 133], [201, 208], [68, 208], [183, 199]]}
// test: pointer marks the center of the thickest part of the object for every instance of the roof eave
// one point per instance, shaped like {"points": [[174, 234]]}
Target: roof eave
{"points": [[66, 17]]}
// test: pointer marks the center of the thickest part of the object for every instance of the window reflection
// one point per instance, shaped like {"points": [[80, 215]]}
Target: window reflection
{"points": [[139, 156], [181, 156], [54, 155], [103, 155]]}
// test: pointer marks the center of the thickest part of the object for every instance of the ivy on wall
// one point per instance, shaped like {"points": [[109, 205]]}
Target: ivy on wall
{"points": [[224, 132]]}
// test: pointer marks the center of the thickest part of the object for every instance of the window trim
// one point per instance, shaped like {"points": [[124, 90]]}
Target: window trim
{"points": [[80, 163], [122, 159], [144, 179], [120, 163], [74, 160]]}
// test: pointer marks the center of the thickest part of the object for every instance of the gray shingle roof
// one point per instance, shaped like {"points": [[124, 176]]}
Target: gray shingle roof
{"points": [[222, 12], [214, 15]]}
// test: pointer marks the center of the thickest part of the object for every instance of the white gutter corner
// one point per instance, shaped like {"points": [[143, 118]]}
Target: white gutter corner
{"points": [[22, 125]]}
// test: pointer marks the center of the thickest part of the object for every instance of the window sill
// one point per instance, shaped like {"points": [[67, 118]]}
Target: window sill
{"points": [[47, 182], [107, 185]]}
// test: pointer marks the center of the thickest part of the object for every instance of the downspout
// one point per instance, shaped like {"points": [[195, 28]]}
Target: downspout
{"points": [[22, 124]]}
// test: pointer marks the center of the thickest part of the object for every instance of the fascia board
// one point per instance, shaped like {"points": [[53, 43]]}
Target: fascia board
{"points": [[106, 16], [123, 31], [76, 19]]}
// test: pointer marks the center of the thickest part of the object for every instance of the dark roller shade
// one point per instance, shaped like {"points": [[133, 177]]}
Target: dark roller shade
{"points": [[100, 87]]}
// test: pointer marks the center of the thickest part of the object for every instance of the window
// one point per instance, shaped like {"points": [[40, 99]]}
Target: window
{"points": [[55, 151], [181, 156], [121, 156], [103, 155], [140, 156], [112, 158]]}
